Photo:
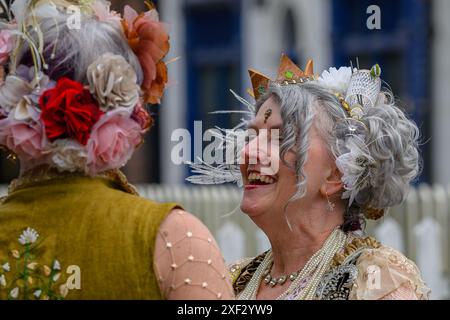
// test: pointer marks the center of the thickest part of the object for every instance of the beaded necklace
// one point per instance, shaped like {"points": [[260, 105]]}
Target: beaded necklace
{"points": [[307, 280]]}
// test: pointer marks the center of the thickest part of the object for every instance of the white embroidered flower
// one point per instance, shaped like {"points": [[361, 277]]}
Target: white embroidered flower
{"points": [[63, 290], [15, 254], [56, 277], [336, 79], [69, 155], [113, 81], [14, 293], [6, 267], [47, 271], [56, 265], [37, 293], [3, 280], [28, 236], [32, 265]]}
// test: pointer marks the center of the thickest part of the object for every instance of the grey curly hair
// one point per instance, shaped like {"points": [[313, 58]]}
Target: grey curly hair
{"points": [[389, 138]]}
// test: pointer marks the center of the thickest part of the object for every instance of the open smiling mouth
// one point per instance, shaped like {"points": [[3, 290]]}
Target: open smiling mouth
{"points": [[254, 178]]}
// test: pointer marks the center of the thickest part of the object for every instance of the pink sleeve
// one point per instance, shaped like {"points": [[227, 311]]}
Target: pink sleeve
{"points": [[188, 261]]}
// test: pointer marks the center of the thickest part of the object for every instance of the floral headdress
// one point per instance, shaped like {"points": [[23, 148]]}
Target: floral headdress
{"points": [[89, 127], [356, 90]]}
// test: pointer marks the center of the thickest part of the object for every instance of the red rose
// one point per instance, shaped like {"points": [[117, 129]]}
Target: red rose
{"points": [[69, 111]]}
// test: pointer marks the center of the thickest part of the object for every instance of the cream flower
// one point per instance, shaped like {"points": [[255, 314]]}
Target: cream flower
{"points": [[26, 110], [12, 91], [68, 155], [24, 85], [28, 236], [113, 81], [336, 79]]}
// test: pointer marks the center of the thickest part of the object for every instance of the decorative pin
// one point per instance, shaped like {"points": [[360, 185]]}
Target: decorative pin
{"points": [[267, 115], [261, 90], [289, 74]]}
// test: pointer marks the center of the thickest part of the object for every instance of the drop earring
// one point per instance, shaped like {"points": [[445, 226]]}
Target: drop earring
{"points": [[331, 205]]}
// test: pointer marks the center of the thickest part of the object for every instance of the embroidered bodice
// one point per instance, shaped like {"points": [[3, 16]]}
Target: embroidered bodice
{"points": [[363, 270]]}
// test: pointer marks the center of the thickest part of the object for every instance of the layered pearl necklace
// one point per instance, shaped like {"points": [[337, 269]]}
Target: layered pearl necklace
{"points": [[304, 286]]}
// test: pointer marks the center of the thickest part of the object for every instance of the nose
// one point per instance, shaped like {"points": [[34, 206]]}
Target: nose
{"points": [[255, 151]]}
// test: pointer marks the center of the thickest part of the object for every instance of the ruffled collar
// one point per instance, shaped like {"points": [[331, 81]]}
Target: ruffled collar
{"points": [[44, 173]]}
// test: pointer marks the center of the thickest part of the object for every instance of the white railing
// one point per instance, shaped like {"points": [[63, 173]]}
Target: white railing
{"points": [[418, 228]]}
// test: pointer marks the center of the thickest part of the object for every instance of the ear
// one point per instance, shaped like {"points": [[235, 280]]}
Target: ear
{"points": [[333, 184]]}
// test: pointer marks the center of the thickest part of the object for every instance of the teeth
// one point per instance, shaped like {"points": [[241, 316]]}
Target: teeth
{"points": [[256, 176]]}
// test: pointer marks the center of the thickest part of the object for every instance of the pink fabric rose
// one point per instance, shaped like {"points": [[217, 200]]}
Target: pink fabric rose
{"points": [[26, 139], [6, 45], [113, 140]]}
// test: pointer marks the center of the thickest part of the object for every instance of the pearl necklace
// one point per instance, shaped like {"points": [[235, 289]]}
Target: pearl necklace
{"points": [[304, 286]]}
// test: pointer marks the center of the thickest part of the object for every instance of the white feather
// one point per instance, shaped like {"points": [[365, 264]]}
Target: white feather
{"points": [[205, 173], [47, 10], [19, 9]]}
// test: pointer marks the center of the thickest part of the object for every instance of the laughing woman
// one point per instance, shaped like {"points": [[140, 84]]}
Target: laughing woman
{"points": [[346, 153]]}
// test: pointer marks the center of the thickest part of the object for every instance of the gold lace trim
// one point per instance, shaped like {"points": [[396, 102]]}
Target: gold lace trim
{"points": [[243, 276], [352, 247]]}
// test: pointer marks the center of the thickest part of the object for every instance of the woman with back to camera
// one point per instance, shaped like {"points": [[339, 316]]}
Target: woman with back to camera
{"points": [[72, 111], [345, 153]]}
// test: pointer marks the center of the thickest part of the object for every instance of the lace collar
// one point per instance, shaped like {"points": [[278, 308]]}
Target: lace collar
{"points": [[45, 173]]}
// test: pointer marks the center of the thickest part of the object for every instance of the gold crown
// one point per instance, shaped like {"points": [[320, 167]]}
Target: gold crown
{"points": [[288, 73]]}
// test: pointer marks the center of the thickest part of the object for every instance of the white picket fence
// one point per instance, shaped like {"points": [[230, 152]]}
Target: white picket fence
{"points": [[418, 228]]}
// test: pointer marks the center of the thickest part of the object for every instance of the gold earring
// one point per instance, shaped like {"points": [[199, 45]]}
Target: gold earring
{"points": [[331, 205]]}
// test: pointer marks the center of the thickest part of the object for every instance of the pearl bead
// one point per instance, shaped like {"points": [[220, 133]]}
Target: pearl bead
{"points": [[308, 278]]}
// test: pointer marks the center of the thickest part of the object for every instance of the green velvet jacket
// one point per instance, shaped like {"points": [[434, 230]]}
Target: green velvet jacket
{"points": [[95, 241]]}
